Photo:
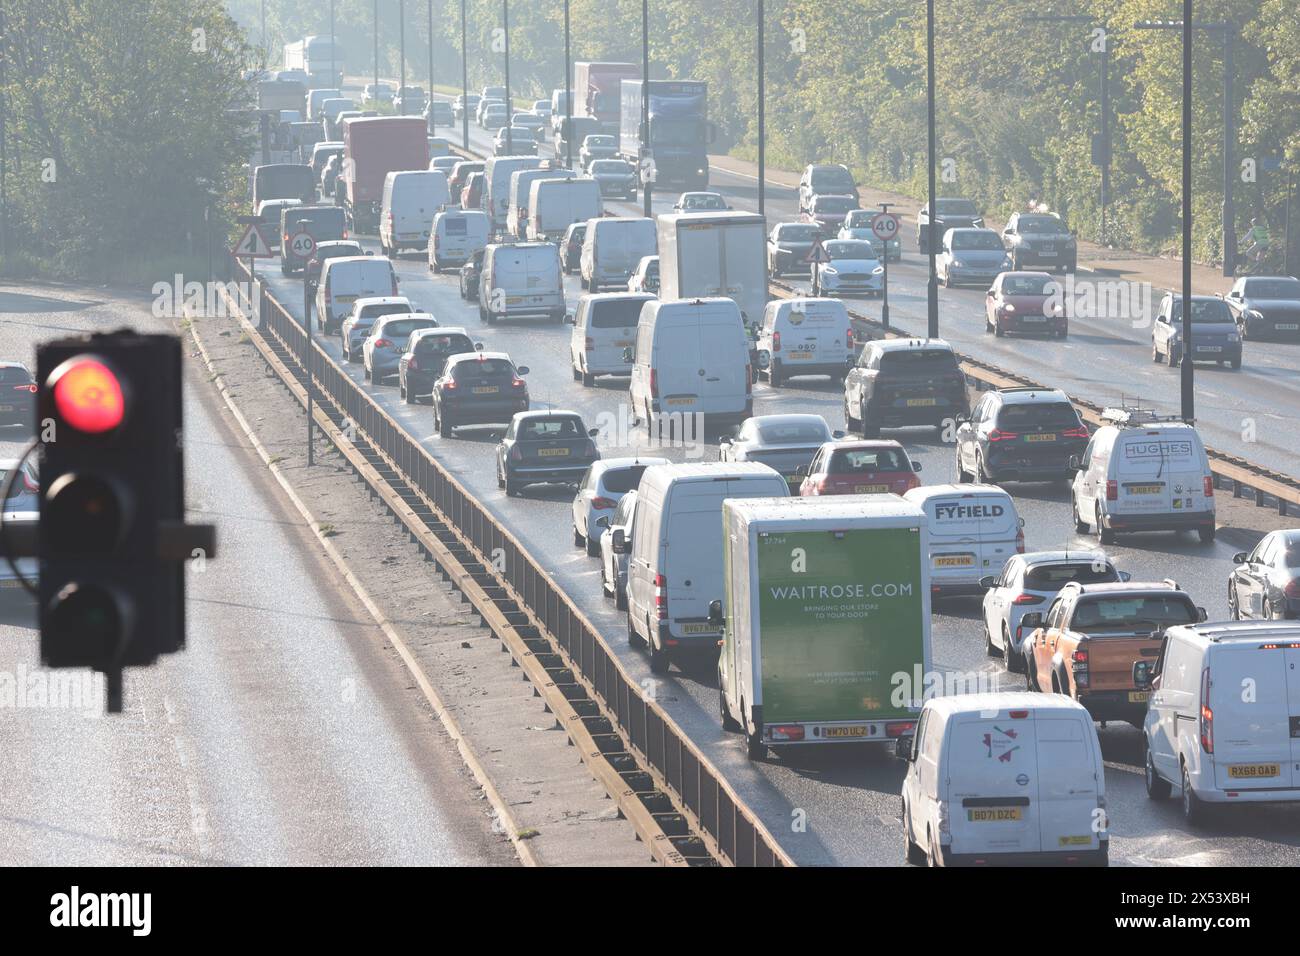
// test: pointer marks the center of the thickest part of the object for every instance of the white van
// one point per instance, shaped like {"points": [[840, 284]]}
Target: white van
{"points": [[691, 358], [974, 529], [521, 185], [457, 234], [1143, 472], [668, 592], [317, 98], [554, 205], [806, 337], [346, 279], [521, 279], [496, 185], [1007, 778], [1205, 734], [612, 248], [411, 199], [604, 328]]}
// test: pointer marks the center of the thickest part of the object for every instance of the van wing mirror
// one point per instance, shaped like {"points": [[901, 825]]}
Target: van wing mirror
{"points": [[522, 370], [1142, 675], [988, 581], [1075, 464], [571, 318], [916, 466], [802, 471], [1239, 557], [1202, 614], [602, 521], [903, 747], [618, 541], [715, 612]]}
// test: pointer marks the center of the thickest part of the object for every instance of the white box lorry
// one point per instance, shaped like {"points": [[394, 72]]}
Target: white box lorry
{"points": [[706, 254], [827, 619]]}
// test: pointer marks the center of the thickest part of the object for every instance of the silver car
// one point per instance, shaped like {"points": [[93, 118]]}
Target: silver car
{"points": [[971, 256], [613, 564], [386, 344], [785, 443]]}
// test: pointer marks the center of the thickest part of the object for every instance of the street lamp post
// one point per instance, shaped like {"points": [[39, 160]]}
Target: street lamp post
{"points": [[568, 94], [376, 86], [647, 186], [932, 286], [762, 131], [464, 83], [334, 56], [401, 52], [430, 54], [505, 25]]}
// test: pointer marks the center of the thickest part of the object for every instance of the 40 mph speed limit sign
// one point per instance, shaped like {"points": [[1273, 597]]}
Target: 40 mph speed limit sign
{"points": [[884, 226], [302, 244]]}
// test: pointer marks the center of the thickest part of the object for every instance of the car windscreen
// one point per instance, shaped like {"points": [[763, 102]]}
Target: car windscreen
{"points": [[853, 461], [326, 252], [850, 249], [483, 369], [796, 233], [1273, 288], [601, 141], [537, 429], [1043, 225], [976, 240], [833, 205], [955, 207], [614, 314], [1046, 414], [834, 179], [919, 361], [620, 481], [1133, 612], [614, 166], [455, 226], [1029, 285], [1053, 577], [790, 433], [1205, 312]]}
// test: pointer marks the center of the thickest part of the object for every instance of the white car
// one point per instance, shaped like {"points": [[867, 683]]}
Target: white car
{"points": [[617, 528], [853, 269], [971, 257], [605, 482], [646, 277], [1029, 582]]}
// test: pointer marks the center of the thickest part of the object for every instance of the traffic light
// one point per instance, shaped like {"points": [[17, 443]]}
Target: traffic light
{"points": [[112, 540]]}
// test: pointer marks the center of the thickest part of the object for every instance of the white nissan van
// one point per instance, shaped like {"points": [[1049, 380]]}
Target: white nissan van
{"points": [[604, 328], [806, 337], [974, 529], [611, 249], [1004, 778], [668, 591], [1223, 718], [521, 279], [411, 200]]}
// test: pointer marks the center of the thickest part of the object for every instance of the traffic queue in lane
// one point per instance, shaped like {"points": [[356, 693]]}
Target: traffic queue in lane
{"points": [[649, 596]]}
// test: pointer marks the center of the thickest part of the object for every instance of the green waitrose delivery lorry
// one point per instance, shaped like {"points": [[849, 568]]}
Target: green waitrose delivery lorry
{"points": [[827, 636]]}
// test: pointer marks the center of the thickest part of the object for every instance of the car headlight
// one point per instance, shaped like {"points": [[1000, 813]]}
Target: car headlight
{"points": [[1008, 308], [878, 271], [1006, 263], [957, 264], [1253, 315]]}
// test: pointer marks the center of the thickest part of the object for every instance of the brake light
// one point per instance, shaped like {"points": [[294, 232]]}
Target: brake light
{"points": [[1207, 715], [345, 233], [449, 385], [1020, 541], [412, 363], [1080, 432], [1292, 589], [1112, 490], [1027, 599], [749, 379], [1080, 656], [604, 504], [776, 341], [999, 435], [787, 732], [517, 382], [661, 597], [654, 383], [516, 454], [848, 339], [383, 344], [1209, 486], [29, 484], [1018, 714], [25, 388], [897, 728]]}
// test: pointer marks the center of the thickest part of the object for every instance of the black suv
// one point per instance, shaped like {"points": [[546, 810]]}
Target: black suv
{"points": [[953, 214], [903, 382], [1039, 239], [1020, 434]]}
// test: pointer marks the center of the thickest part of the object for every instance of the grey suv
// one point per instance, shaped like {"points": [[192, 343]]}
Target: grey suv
{"points": [[1019, 434]]}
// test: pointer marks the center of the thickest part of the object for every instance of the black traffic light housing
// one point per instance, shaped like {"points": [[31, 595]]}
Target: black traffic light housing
{"points": [[112, 541]]}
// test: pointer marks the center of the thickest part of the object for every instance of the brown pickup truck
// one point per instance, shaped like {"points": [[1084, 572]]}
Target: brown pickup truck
{"points": [[1087, 643]]}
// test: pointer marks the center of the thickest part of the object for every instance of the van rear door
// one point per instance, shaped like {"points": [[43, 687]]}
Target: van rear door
{"points": [[1150, 464], [1067, 783], [724, 358], [993, 782], [1255, 708]]}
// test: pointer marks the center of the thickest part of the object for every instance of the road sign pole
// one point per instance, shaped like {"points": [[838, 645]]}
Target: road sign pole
{"points": [[884, 226], [307, 363], [884, 290]]}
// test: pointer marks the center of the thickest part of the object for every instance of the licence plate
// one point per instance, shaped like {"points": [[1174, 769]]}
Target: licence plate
{"points": [[1033, 318], [994, 814], [1251, 771], [679, 401], [624, 343], [699, 629], [1081, 840], [485, 390], [345, 298], [1047, 252], [1209, 348], [954, 561], [1050, 436], [1144, 489], [1288, 327], [552, 452], [801, 355], [6, 408], [514, 299], [920, 402], [1139, 696], [870, 489], [844, 731]]}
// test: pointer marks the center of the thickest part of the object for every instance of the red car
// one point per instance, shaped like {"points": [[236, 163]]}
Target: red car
{"points": [[460, 174], [828, 212], [860, 468], [471, 197], [1026, 302]]}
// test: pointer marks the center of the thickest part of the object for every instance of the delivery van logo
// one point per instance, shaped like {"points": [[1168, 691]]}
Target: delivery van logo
{"points": [[1000, 744]]}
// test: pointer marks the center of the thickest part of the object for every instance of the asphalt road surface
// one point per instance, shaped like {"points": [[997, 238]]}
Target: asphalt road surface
{"points": [[284, 734]]}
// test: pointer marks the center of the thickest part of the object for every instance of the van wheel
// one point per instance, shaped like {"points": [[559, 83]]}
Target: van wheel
{"points": [[1195, 812], [588, 380], [1172, 358], [729, 723], [593, 546], [1234, 605], [658, 658], [1206, 534], [633, 638], [1104, 535], [851, 424], [578, 539], [932, 856], [1158, 788], [915, 855], [774, 375], [1080, 526], [620, 598]]}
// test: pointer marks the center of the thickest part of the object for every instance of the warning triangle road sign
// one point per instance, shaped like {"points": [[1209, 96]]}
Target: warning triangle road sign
{"points": [[251, 245], [818, 253]]}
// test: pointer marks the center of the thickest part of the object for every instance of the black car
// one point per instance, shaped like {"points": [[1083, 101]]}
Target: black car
{"points": [[571, 248], [480, 389], [953, 213], [902, 382], [1266, 306], [1039, 239], [1266, 582], [469, 274], [1020, 434], [544, 447], [425, 358], [17, 393]]}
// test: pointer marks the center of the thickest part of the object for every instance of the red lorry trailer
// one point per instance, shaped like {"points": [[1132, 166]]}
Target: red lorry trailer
{"points": [[373, 147], [596, 91]]}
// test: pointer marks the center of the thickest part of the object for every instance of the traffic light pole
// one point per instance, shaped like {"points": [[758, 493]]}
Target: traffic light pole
{"points": [[401, 51], [1189, 394]]}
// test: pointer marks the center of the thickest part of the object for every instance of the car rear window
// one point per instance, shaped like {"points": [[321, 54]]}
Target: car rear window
{"points": [[610, 166], [371, 312], [1137, 612], [455, 226], [833, 204], [831, 179], [797, 233], [402, 328], [13, 375], [443, 344], [918, 361], [1047, 414], [955, 207], [539, 428], [1029, 285], [620, 481], [487, 368], [615, 314], [785, 433], [1053, 577], [1273, 288], [852, 461]]}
